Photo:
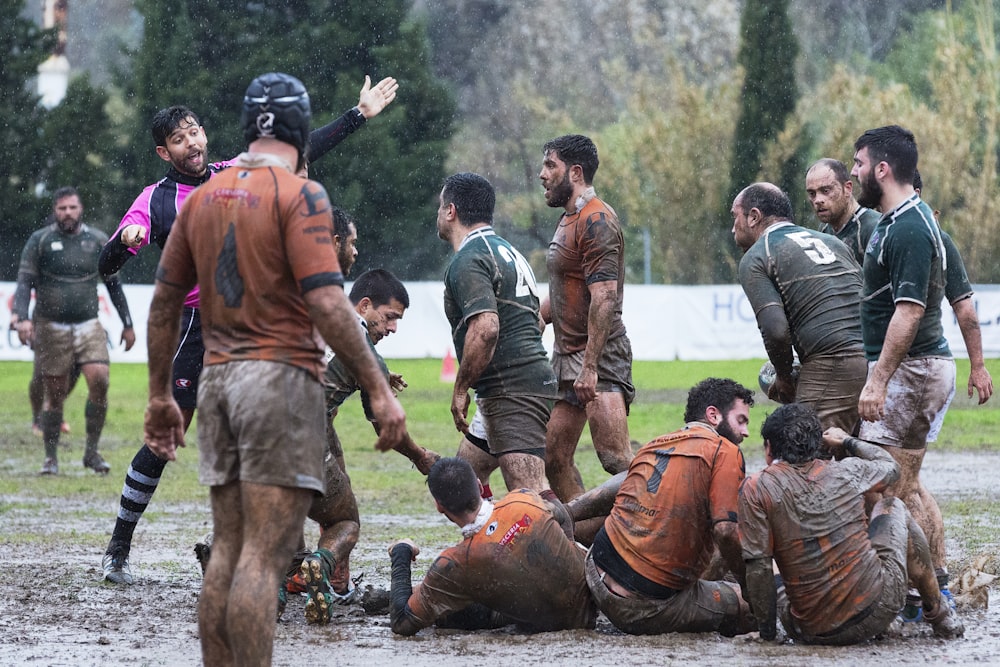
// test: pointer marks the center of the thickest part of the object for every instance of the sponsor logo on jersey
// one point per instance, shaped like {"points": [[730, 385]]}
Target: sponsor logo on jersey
{"points": [[518, 527], [183, 383]]}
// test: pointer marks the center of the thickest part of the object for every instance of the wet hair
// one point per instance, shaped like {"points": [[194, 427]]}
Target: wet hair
{"points": [[63, 192], [473, 196], [794, 433], [452, 482], [918, 183], [381, 287], [893, 145], [719, 392], [575, 149], [839, 169], [768, 198], [342, 222], [165, 121]]}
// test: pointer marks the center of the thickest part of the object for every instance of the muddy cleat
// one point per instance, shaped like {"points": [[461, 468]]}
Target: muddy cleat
{"points": [[375, 601], [282, 601], [115, 565], [50, 467], [945, 593], [295, 583], [318, 592], [96, 462], [203, 551], [946, 623], [912, 611]]}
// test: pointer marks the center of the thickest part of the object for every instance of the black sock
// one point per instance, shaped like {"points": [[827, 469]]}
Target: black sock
{"points": [[95, 415], [50, 421]]}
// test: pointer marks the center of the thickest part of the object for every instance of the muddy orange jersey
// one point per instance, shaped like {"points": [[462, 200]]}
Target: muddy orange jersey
{"points": [[520, 563], [677, 488], [255, 238], [811, 519], [587, 248]]}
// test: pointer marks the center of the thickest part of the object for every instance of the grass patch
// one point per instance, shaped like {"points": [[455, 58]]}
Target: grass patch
{"points": [[384, 483]]}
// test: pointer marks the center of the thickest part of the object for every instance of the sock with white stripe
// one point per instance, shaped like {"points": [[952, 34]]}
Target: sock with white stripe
{"points": [[140, 483]]}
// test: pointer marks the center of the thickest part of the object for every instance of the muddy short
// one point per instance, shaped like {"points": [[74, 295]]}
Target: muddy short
{"points": [[704, 607], [477, 430], [261, 422], [515, 423], [917, 399], [831, 386], [59, 346], [888, 534], [614, 371], [188, 360]]}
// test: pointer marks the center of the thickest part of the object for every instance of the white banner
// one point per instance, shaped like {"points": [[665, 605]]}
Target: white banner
{"points": [[664, 322]]}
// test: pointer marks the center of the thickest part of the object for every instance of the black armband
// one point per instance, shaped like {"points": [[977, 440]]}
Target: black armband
{"points": [[851, 445]]}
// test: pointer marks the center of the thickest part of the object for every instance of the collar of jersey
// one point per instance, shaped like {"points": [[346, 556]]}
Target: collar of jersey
{"points": [[479, 232], [904, 206], [485, 512]]}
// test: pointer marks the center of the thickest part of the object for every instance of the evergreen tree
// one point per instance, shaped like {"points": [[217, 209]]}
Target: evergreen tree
{"points": [[23, 47], [768, 49], [79, 141], [203, 53]]}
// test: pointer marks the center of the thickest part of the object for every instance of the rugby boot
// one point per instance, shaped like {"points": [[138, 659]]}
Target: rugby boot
{"points": [[50, 467], [203, 551], [282, 601], [96, 462], [115, 564], [945, 621], [319, 594]]}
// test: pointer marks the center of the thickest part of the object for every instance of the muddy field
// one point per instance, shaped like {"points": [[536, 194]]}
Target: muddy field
{"points": [[55, 611]]}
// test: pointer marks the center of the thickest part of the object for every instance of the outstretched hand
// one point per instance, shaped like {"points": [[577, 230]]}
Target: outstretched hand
{"points": [[414, 549], [373, 99]]}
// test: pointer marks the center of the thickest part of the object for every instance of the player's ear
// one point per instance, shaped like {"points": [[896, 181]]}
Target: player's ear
{"points": [[163, 153]]}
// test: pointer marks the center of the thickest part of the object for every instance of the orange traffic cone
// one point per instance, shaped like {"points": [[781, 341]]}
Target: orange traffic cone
{"points": [[448, 371]]}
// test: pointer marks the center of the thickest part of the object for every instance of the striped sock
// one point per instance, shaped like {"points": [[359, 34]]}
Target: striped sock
{"points": [[140, 483]]}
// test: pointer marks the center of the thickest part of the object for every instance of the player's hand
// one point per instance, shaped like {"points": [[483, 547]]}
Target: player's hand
{"points": [[586, 385], [397, 383], [426, 460], [25, 332], [128, 337], [391, 419], [133, 235], [163, 427], [980, 380], [871, 403], [783, 389], [414, 549], [833, 439], [460, 409], [373, 99]]}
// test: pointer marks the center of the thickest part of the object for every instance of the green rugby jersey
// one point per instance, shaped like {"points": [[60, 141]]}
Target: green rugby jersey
{"points": [[815, 279], [905, 262], [488, 274], [63, 270]]}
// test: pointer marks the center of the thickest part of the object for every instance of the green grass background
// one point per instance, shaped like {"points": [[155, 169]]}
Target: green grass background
{"points": [[387, 483]]}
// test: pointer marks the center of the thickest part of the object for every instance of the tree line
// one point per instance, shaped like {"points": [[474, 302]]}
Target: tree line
{"points": [[687, 100]]}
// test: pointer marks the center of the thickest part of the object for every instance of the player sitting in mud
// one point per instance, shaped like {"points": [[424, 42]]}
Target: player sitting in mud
{"points": [[843, 580], [514, 565], [676, 502]]}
